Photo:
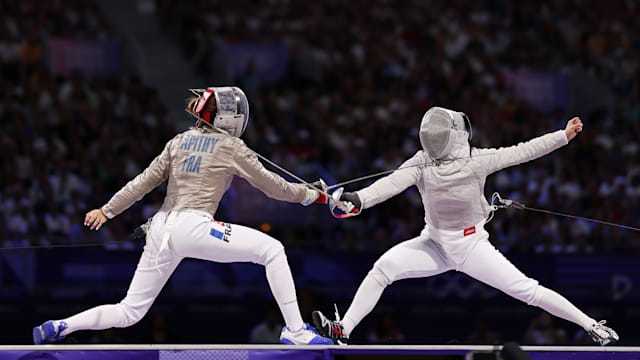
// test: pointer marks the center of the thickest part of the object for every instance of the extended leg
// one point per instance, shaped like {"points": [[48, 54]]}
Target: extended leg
{"points": [[233, 243], [145, 286], [488, 265], [418, 257]]}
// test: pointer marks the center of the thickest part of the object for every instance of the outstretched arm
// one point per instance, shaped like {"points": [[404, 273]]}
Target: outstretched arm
{"points": [[406, 175], [271, 184], [497, 159], [134, 190]]}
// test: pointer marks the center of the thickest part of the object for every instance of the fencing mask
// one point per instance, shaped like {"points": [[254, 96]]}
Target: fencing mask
{"points": [[439, 129], [231, 111]]}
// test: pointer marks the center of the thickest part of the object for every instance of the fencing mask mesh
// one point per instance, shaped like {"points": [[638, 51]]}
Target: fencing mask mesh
{"points": [[231, 113], [437, 131]]}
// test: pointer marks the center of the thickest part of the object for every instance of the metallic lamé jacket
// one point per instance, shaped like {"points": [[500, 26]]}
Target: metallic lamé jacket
{"points": [[200, 165]]}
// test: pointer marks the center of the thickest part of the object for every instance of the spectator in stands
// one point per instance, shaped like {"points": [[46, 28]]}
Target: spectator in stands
{"points": [[473, 52]]}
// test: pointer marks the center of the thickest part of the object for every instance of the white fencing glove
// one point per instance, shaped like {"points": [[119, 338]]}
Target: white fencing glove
{"points": [[314, 196]]}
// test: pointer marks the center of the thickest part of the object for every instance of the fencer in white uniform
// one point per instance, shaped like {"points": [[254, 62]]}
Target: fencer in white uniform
{"points": [[454, 238], [199, 165]]}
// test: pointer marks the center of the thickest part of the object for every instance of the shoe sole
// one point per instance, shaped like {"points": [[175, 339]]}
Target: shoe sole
{"points": [[44, 334], [37, 335], [287, 342]]}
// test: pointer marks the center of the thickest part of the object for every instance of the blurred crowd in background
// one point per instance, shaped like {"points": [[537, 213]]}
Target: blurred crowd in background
{"points": [[68, 141], [363, 73], [359, 77]]}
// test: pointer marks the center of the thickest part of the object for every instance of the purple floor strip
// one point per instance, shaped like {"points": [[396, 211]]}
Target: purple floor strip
{"points": [[237, 352]]}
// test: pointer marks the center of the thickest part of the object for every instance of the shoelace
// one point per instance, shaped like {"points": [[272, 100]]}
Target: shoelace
{"points": [[335, 306], [338, 323], [599, 325]]}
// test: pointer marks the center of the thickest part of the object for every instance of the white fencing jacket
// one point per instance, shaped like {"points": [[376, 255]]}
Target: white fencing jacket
{"points": [[453, 191]]}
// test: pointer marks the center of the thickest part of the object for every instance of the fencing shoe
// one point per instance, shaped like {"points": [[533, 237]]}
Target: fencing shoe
{"points": [[49, 332], [603, 334], [305, 336], [329, 328]]}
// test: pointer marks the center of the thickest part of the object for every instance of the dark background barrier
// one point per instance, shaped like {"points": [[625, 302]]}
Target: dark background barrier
{"points": [[219, 303]]}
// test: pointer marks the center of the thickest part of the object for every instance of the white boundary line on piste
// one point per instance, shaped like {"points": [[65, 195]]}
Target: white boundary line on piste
{"points": [[382, 348]]}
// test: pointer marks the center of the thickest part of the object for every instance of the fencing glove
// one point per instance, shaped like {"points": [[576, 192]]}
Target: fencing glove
{"points": [[314, 196], [344, 204]]}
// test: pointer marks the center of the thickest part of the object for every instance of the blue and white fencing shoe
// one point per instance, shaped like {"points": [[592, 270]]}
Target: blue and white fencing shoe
{"points": [[49, 332], [305, 336]]}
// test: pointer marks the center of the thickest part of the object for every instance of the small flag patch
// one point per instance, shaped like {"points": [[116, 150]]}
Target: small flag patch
{"points": [[217, 234], [469, 231]]}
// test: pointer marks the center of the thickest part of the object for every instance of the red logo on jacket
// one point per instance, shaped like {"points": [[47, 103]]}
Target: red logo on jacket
{"points": [[469, 231]]}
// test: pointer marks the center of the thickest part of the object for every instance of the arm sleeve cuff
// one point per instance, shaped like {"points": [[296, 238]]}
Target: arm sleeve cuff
{"points": [[107, 213]]}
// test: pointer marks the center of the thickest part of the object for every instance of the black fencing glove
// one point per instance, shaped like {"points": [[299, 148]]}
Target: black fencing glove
{"points": [[345, 204]]}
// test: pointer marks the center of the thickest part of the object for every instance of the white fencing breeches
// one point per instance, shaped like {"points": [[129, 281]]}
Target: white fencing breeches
{"points": [[424, 257], [194, 234]]}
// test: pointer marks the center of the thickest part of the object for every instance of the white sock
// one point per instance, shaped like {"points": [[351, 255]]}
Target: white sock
{"points": [[97, 318], [557, 305], [364, 301], [284, 291]]}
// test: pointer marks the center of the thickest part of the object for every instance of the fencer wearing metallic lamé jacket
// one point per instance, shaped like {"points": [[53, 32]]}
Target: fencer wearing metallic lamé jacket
{"points": [[199, 164]]}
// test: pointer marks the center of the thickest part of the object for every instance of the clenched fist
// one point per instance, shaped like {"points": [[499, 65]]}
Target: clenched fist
{"points": [[574, 126]]}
